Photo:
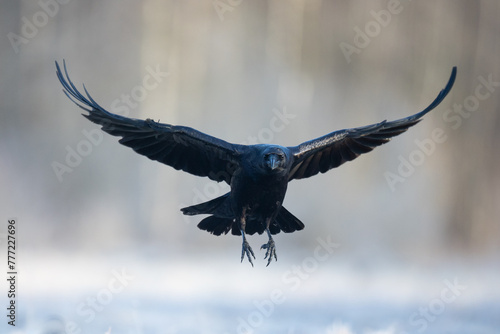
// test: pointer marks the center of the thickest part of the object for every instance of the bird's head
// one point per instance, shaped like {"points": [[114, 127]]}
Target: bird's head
{"points": [[274, 159]]}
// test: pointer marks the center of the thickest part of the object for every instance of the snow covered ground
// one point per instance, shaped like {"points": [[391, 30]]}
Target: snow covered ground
{"points": [[315, 292]]}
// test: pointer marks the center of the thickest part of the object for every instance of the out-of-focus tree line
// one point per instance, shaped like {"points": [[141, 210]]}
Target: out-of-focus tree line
{"points": [[228, 68]]}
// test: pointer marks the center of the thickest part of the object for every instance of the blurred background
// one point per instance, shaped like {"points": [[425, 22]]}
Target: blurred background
{"points": [[405, 239]]}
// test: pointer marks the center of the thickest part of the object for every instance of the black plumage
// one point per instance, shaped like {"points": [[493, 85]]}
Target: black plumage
{"points": [[257, 174]]}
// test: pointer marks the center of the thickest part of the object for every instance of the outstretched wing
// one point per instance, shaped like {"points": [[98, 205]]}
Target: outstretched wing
{"points": [[181, 147], [332, 150]]}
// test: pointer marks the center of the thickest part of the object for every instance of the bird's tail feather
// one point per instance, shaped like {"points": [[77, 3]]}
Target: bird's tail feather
{"points": [[287, 222], [210, 207], [284, 221], [217, 225], [222, 220]]}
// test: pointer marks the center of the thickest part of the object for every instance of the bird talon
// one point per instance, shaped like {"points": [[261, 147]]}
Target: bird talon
{"points": [[246, 249], [271, 251]]}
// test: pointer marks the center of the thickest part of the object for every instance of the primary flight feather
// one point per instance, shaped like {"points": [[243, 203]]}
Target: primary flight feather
{"points": [[258, 175]]}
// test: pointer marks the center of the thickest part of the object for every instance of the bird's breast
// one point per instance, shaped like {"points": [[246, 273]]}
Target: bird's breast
{"points": [[261, 196]]}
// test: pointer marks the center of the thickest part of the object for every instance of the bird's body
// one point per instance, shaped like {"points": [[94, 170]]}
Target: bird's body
{"points": [[258, 175], [270, 185], [256, 197]]}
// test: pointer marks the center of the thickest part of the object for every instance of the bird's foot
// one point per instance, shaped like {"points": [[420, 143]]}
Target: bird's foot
{"points": [[246, 249], [271, 251]]}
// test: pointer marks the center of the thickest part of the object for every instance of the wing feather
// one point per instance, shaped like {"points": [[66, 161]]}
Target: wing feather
{"points": [[332, 150], [180, 147]]}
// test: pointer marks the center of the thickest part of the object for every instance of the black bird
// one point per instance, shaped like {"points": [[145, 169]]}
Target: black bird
{"points": [[257, 174]]}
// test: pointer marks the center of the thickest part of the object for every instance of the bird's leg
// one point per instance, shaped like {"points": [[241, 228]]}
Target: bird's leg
{"points": [[271, 248], [245, 248]]}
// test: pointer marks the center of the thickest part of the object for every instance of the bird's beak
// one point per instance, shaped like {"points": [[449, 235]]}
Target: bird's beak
{"points": [[273, 162]]}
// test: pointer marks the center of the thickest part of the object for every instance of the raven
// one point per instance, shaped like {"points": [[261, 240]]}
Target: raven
{"points": [[258, 175]]}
